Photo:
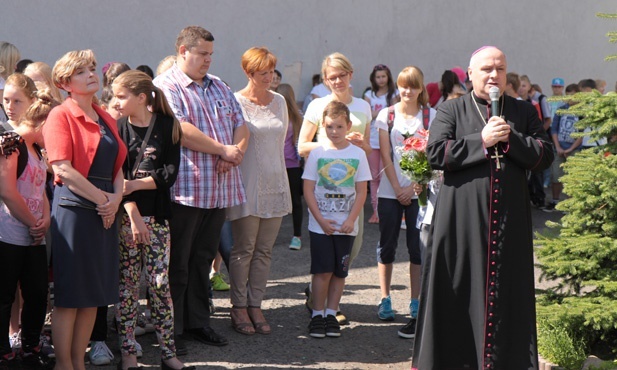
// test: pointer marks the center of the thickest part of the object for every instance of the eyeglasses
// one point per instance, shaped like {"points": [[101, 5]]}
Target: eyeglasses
{"points": [[381, 67], [332, 79]]}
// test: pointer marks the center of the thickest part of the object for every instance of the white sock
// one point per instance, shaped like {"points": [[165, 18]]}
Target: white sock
{"points": [[330, 312], [317, 313]]}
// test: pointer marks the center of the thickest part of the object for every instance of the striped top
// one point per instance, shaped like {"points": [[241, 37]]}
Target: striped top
{"points": [[214, 110]]}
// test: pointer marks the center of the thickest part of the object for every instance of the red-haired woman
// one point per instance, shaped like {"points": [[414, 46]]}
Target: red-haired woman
{"points": [[255, 224]]}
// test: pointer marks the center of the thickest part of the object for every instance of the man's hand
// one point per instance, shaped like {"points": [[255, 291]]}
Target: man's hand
{"points": [[233, 154], [496, 130], [223, 166]]}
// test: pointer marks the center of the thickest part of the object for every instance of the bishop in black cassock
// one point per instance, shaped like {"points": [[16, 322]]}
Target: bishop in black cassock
{"points": [[477, 305]]}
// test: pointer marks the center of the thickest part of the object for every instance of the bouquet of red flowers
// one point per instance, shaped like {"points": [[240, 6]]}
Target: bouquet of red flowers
{"points": [[414, 163]]}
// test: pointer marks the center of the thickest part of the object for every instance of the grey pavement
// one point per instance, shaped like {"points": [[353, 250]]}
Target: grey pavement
{"points": [[367, 343]]}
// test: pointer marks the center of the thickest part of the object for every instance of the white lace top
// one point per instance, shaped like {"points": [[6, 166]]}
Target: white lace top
{"points": [[263, 168]]}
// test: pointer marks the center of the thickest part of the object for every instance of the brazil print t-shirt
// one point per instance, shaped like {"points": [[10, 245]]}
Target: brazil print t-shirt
{"points": [[335, 173]]}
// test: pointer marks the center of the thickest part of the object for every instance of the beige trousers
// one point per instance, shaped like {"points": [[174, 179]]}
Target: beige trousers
{"points": [[249, 263]]}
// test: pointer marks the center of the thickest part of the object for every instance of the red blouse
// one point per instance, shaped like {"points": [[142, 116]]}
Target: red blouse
{"points": [[70, 135]]}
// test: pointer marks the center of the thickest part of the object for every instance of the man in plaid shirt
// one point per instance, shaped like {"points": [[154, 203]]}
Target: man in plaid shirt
{"points": [[214, 140]]}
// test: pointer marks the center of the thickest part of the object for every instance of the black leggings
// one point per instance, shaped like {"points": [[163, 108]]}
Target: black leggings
{"points": [[28, 266], [99, 331], [295, 186]]}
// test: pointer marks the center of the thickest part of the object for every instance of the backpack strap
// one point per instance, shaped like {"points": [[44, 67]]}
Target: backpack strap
{"points": [[426, 116], [390, 122], [390, 118], [540, 98]]}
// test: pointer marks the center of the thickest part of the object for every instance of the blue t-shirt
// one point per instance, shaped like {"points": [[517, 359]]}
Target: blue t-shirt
{"points": [[563, 127]]}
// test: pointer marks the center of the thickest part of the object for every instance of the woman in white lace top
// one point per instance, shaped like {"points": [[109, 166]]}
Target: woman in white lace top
{"points": [[255, 224]]}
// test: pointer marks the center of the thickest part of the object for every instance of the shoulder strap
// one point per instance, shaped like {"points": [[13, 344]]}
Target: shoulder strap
{"points": [[5, 126], [22, 160], [391, 113], [542, 96], [390, 118], [3, 111], [144, 144], [426, 116]]}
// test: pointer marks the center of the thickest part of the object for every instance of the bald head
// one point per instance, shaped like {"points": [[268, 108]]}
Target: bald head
{"points": [[487, 68]]}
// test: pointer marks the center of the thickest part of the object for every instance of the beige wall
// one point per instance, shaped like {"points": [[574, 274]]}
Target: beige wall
{"points": [[541, 38]]}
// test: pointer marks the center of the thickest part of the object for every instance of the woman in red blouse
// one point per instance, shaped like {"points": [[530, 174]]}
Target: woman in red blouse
{"points": [[86, 154]]}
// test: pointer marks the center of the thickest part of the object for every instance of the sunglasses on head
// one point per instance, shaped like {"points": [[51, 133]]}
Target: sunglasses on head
{"points": [[381, 67]]}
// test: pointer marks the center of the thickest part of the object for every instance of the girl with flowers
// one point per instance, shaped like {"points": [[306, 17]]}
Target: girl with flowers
{"points": [[397, 192]]}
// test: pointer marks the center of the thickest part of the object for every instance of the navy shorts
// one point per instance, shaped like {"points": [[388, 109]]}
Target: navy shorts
{"points": [[330, 254]]}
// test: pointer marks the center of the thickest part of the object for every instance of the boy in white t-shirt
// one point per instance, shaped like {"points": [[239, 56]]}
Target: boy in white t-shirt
{"points": [[335, 177]]}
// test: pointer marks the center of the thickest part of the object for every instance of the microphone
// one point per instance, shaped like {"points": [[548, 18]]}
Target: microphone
{"points": [[493, 93]]}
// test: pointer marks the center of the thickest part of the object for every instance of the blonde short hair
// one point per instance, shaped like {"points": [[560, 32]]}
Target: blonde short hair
{"points": [[69, 63], [257, 59], [44, 70], [9, 56], [165, 64], [412, 77], [338, 61]]}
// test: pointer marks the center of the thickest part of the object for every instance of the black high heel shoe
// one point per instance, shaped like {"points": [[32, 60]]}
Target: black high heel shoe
{"points": [[164, 366]]}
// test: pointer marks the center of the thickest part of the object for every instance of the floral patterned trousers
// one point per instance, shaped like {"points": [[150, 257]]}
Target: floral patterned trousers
{"points": [[134, 257]]}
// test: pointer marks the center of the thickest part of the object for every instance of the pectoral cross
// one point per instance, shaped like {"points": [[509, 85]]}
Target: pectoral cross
{"points": [[496, 158]]}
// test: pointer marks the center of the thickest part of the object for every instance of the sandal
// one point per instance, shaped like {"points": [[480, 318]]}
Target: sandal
{"points": [[261, 327], [241, 322]]}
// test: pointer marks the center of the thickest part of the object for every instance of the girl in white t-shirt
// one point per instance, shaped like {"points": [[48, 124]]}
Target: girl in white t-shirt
{"points": [[382, 94], [397, 193]]}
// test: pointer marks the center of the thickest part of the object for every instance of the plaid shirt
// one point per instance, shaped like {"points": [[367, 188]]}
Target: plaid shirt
{"points": [[213, 109]]}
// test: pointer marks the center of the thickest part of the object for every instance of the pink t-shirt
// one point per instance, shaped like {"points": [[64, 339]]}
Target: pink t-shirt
{"points": [[31, 186]]}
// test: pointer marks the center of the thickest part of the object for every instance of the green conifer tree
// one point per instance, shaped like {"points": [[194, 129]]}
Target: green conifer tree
{"points": [[580, 251]]}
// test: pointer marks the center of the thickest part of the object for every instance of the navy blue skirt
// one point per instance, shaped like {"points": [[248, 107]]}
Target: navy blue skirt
{"points": [[85, 255]]}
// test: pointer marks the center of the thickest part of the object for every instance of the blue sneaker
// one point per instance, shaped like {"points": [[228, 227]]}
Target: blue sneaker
{"points": [[296, 244], [384, 310], [413, 308]]}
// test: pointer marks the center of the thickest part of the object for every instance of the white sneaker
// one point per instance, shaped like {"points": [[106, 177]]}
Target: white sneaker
{"points": [[139, 350], [15, 341], [100, 354]]}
